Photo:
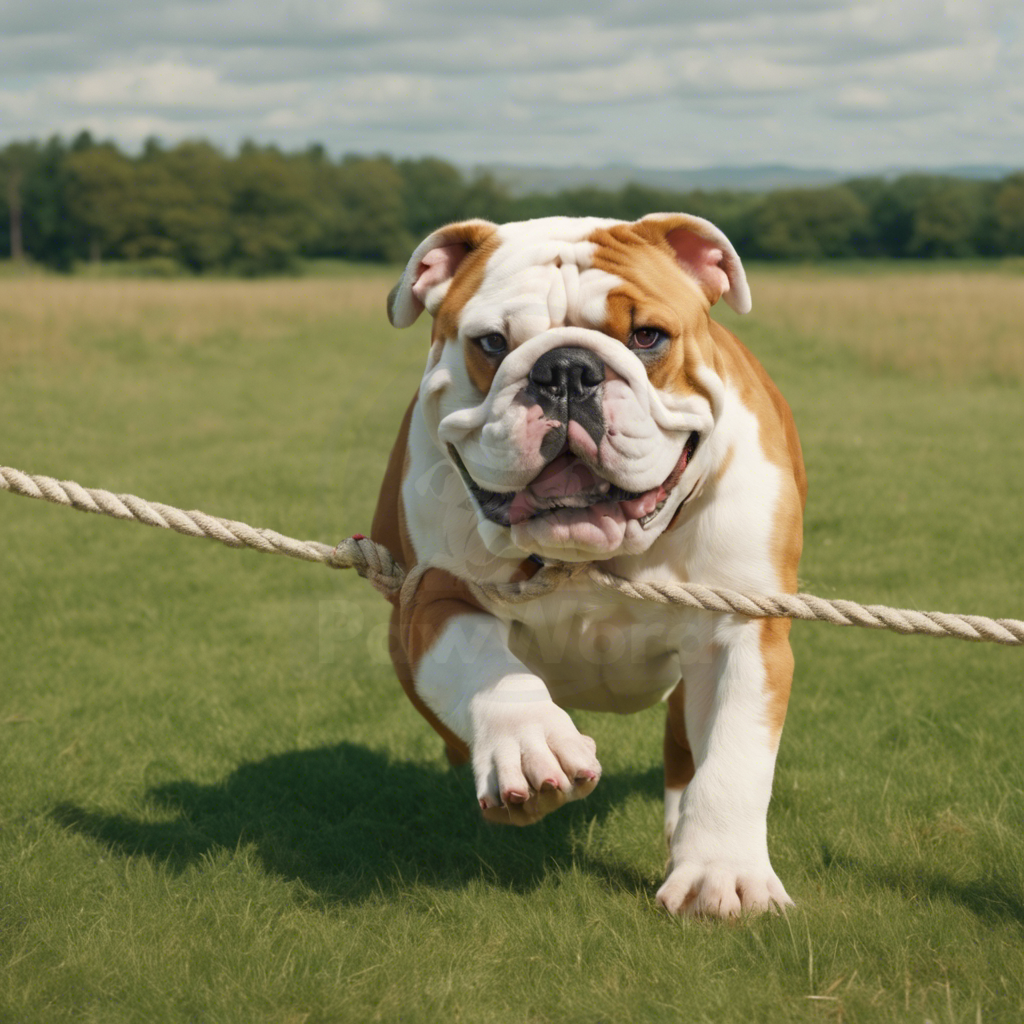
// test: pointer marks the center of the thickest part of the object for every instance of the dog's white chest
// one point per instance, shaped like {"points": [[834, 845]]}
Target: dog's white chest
{"points": [[596, 652]]}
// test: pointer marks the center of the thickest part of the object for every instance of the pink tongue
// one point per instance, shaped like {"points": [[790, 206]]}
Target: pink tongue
{"points": [[566, 476], [563, 477]]}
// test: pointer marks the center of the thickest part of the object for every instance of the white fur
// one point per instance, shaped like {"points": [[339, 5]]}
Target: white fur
{"points": [[521, 741]]}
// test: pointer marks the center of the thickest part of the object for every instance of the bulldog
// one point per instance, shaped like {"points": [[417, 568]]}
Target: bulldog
{"points": [[580, 404]]}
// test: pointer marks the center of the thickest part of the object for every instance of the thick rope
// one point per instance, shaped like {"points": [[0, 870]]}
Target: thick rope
{"points": [[376, 564]]}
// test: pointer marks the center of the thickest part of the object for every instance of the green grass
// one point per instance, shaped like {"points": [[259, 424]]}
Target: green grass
{"points": [[163, 267], [887, 266], [217, 805]]}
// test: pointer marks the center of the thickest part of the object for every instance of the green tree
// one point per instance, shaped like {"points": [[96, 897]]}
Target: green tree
{"points": [[100, 182], [808, 224], [370, 213], [1008, 215], [50, 230], [272, 214], [928, 215], [589, 202], [485, 198], [194, 203], [433, 193], [261, 208], [947, 220], [150, 194], [638, 200], [16, 162]]}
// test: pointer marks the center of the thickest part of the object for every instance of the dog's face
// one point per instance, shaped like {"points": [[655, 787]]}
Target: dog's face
{"points": [[571, 372]]}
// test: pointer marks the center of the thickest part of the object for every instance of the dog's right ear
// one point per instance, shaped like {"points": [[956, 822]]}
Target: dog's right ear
{"points": [[431, 268]]}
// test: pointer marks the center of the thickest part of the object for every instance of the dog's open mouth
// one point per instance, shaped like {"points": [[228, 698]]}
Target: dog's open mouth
{"points": [[569, 483]]}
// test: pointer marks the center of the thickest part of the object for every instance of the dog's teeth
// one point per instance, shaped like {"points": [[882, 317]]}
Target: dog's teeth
{"points": [[645, 522]]}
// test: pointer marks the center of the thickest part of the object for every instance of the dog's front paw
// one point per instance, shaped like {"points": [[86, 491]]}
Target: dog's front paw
{"points": [[722, 889], [529, 760]]}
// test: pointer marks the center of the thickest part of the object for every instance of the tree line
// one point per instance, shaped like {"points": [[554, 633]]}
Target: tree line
{"points": [[193, 207]]}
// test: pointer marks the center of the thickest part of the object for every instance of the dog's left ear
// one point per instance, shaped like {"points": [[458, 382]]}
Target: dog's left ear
{"points": [[704, 252], [433, 265]]}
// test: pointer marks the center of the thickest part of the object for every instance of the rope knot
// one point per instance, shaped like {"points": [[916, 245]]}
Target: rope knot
{"points": [[372, 561]]}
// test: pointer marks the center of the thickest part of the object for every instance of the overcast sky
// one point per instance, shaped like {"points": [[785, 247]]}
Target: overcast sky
{"points": [[849, 84]]}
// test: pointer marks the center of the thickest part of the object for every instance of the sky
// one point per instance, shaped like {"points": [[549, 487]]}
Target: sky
{"points": [[846, 84]]}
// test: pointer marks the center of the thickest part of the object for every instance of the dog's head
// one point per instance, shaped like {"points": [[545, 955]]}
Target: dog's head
{"points": [[570, 377]]}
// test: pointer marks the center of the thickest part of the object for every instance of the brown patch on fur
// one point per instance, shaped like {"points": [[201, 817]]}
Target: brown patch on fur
{"points": [[481, 369], [759, 394], [778, 666], [679, 767], [465, 284], [781, 446], [389, 518], [655, 292], [466, 281], [420, 620], [526, 570], [438, 598], [455, 748]]}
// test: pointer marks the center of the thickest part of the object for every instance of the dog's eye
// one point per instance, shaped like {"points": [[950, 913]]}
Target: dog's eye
{"points": [[493, 344], [647, 337]]}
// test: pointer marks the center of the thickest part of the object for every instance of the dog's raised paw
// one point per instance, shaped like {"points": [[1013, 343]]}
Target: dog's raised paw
{"points": [[529, 763]]}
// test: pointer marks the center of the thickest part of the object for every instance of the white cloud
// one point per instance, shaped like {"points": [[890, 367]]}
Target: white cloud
{"points": [[165, 85], [357, 101], [672, 82], [636, 79], [865, 100]]}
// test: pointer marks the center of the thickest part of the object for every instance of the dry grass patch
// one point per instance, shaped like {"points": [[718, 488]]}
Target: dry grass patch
{"points": [[950, 325], [46, 315]]}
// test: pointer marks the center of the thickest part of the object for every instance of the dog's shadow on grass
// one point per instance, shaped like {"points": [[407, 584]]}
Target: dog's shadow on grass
{"points": [[995, 898], [349, 821]]}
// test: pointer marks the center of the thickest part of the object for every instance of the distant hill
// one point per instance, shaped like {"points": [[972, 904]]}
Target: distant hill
{"points": [[523, 180]]}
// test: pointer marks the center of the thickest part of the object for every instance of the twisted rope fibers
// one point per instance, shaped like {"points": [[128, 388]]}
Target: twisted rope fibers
{"points": [[377, 565]]}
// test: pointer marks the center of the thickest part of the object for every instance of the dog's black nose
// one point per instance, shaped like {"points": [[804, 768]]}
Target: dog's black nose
{"points": [[567, 373]]}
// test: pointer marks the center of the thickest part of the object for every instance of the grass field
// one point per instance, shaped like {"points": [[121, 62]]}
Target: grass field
{"points": [[217, 805]]}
